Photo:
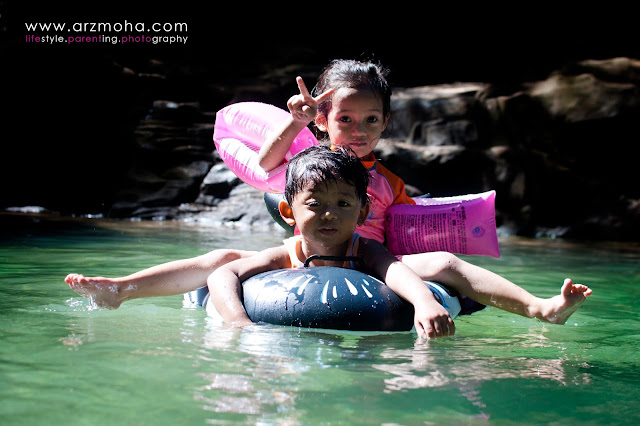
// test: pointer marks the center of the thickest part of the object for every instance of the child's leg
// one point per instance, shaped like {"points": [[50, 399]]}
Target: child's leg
{"points": [[491, 289], [177, 277]]}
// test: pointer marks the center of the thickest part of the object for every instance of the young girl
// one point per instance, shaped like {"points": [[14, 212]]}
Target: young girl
{"points": [[326, 192], [353, 108]]}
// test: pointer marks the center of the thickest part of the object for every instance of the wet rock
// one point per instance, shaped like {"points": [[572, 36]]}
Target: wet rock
{"points": [[583, 97], [438, 115], [557, 151], [217, 185], [172, 156], [244, 207]]}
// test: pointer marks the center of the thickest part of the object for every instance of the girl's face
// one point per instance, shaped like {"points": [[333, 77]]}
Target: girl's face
{"points": [[355, 120], [327, 215]]}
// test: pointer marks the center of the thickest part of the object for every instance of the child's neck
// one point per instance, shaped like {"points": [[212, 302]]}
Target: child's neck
{"points": [[306, 250], [368, 157]]}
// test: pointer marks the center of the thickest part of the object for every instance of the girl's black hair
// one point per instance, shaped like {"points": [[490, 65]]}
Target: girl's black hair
{"points": [[355, 75], [321, 164]]}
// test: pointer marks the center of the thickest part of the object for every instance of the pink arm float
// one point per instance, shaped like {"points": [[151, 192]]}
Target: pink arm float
{"points": [[463, 224]]}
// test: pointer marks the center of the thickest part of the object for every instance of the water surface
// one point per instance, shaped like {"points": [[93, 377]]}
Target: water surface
{"points": [[154, 361]]}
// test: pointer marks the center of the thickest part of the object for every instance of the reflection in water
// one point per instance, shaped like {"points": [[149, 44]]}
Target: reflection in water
{"points": [[249, 384], [421, 369], [424, 366], [278, 366], [268, 372], [185, 368]]}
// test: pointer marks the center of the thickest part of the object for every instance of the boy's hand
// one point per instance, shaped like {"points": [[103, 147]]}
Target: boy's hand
{"points": [[303, 107], [432, 320]]}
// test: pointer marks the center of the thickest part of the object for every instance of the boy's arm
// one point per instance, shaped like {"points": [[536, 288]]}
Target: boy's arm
{"points": [[303, 108], [225, 283], [431, 318]]}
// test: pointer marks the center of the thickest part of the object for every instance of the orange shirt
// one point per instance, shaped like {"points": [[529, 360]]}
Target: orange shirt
{"points": [[385, 189]]}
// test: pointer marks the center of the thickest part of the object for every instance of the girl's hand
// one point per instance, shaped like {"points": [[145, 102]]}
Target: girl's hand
{"points": [[303, 107], [432, 320]]}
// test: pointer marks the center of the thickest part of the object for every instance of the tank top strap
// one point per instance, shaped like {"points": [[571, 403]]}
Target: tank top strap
{"points": [[292, 245], [293, 248], [353, 251]]}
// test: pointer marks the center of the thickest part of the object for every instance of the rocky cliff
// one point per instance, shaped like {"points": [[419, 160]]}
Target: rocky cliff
{"points": [[128, 136], [558, 152]]}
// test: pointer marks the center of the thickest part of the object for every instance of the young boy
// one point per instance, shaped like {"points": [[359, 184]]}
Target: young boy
{"points": [[326, 195]]}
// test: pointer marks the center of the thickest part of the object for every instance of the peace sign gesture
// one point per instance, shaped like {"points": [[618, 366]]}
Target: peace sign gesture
{"points": [[303, 107]]}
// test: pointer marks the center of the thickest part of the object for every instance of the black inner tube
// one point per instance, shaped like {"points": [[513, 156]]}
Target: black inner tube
{"points": [[332, 258]]}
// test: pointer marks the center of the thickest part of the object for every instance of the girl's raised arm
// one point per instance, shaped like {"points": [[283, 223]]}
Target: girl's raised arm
{"points": [[303, 108]]}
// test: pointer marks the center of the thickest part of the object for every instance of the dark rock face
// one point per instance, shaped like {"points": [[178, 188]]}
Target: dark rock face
{"points": [[172, 157], [556, 151], [559, 151]]}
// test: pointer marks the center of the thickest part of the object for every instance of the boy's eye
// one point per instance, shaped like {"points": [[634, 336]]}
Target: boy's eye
{"points": [[343, 203]]}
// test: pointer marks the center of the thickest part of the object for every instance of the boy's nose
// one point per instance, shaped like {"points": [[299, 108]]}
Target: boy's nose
{"points": [[329, 214]]}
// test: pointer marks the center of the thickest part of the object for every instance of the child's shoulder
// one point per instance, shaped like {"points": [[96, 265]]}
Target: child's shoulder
{"points": [[376, 165], [278, 257], [373, 254], [369, 246]]}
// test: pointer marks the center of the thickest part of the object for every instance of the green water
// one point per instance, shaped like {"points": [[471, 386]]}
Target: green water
{"points": [[155, 362]]}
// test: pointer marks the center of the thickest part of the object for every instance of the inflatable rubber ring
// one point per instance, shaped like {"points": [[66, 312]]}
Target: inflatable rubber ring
{"points": [[331, 298]]}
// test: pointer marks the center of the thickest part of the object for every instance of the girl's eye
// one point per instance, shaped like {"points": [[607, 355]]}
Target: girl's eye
{"points": [[372, 119], [345, 119]]}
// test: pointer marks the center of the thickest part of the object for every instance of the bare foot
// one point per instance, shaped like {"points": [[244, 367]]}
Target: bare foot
{"points": [[103, 292], [559, 308]]}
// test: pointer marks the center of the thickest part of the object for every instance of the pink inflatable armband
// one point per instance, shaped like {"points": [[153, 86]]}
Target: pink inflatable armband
{"points": [[239, 132], [463, 224]]}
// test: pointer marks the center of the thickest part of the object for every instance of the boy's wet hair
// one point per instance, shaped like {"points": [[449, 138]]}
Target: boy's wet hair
{"points": [[323, 164], [354, 75]]}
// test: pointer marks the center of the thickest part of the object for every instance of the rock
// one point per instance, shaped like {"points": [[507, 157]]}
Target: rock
{"points": [[172, 157], [244, 207], [583, 97], [217, 185], [437, 170], [614, 69], [437, 115], [557, 151]]}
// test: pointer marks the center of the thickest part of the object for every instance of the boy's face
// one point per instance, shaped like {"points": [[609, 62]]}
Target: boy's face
{"points": [[328, 213], [356, 120]]}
